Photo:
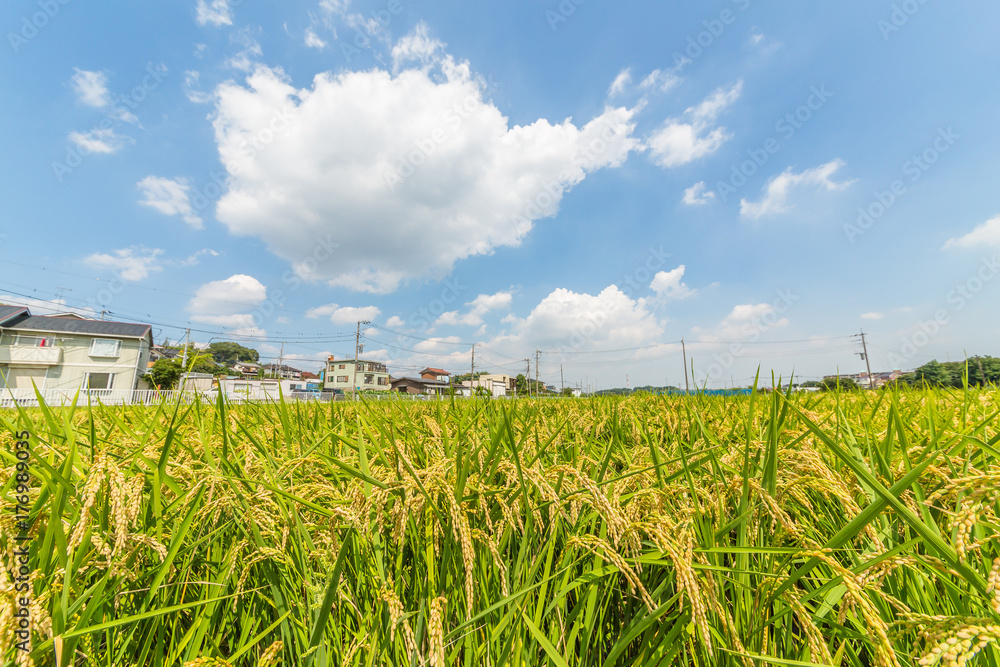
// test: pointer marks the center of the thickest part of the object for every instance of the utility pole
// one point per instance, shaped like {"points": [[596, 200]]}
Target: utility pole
{"points": [[472, 373], [687, 383], [357, 351], [184, 360], [562, 379], [537, 354], [868, 364], [281, 361], [527, 375], [187, 342]]}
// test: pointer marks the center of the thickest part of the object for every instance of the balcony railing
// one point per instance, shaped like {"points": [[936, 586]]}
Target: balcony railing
{"points": [[30, 355]]}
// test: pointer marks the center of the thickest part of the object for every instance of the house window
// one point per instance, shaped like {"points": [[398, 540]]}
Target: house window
{"points": [[103, 347], [342, 366], [369, 379], [342, 378], [34, 341], [99, 381], [383, 381]]}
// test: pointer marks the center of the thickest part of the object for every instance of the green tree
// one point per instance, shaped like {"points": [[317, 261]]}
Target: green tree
{"points": [[227, 353], [933, 373], [165, 373], [843, 384], [568, 392], [521, 383]]}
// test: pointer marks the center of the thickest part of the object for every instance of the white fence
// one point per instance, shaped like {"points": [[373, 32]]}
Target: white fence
{"points": [[10, 398]]}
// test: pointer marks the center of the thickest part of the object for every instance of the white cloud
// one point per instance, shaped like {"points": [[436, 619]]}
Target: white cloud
{"points": [[744, 322], [133, 264], [698, 195], [780, 189], [660, 80], [395, 322], [344, 314], [986, 234], [335, 6], [565, 322], [417, 46], [246, 59], [169, 197], [872, 316], [191, 88], [99, 141], [684, 140], [229, 303], [669, 285], [216, 12], [352, 315], [437, 345], [91, 88], [193, 259], [433, 184], [623, 79], [313, 40], [481, 305]]}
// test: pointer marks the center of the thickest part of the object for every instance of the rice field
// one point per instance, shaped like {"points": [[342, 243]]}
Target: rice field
{"points": [[853, 529]]}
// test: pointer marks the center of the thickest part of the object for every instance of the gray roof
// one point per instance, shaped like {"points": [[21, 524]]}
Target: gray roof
{"points": [[7, 312], [92, 327]]}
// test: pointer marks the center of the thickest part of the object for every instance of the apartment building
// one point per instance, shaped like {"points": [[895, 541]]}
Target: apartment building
{"points": [[340, 375]]}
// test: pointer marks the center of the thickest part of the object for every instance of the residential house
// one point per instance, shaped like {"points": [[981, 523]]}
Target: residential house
{"points": [[341, 375], [67, 353], [496, 385], [435, 374], [247, 368], [421, 385], [282, 372]]}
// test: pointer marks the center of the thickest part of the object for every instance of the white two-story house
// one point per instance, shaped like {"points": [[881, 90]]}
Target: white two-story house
{"points": [[340, 375], [67, 352]]}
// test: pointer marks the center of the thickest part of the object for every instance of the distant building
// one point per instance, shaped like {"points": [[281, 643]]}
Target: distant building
{"points": [[879, 380], [340, 375], [68, 352], [282, 372], [435, 374], [496, 385], [247, 368], [407, 385]]}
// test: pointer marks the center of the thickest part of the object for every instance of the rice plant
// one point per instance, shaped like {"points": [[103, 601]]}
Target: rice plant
{"points": [[854, 529]]}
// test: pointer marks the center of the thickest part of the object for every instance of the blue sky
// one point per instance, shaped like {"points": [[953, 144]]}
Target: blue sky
{"points": [[595, 181]]}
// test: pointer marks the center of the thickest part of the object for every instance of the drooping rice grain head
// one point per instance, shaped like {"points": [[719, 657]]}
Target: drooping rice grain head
{"points": [[435, 632]]}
